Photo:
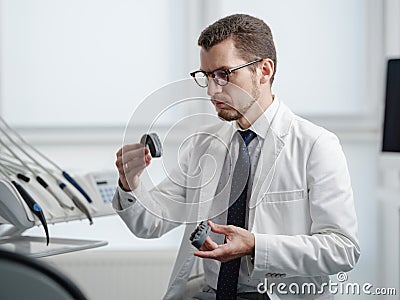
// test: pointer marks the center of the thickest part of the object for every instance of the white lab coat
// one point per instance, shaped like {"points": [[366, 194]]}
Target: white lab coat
{"points": [[301, 208]]}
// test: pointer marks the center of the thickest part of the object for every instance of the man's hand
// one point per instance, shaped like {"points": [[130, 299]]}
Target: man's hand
{"points": [[239, 242], [131, 161]]}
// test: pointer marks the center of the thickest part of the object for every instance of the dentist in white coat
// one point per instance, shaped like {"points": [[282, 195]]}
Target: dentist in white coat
{"points": [[300, 222]]}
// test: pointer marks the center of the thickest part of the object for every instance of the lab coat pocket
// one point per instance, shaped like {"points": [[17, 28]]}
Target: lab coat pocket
{"points": [[283, 212], [284, 196]]}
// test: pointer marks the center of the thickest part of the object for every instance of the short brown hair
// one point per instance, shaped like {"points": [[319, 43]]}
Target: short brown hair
{"points": [[251, 36]]}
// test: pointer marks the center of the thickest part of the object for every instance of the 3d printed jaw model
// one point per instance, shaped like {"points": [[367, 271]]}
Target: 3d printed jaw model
{"points": [[200, 234]]}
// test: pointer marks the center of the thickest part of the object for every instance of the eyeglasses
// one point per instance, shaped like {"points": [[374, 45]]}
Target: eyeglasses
{"points": [[220, 76]]}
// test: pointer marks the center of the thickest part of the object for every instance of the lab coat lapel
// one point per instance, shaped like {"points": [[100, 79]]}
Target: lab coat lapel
{"points": [[214, 158], [266, 167], [212, 162]]}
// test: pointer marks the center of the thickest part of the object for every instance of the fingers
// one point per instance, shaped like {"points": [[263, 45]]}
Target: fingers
{"points": [[129, 147], [221, 229], [209, 245], [148, 158], [131, 160], [132, 155], [133, 166], [221, 253], [212, 250], [238, 242], [127, 152]]}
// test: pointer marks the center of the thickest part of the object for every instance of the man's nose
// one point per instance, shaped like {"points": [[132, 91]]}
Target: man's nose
{"points": [[213, 88]]}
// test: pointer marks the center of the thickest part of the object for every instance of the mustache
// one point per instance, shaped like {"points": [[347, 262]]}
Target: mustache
{"points": [[221, 100]]}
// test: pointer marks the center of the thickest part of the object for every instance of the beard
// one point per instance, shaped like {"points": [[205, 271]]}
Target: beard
{"points": [[235, 113]]}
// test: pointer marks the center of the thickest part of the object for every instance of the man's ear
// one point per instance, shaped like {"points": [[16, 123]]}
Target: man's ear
{"points": [[267, 70]]}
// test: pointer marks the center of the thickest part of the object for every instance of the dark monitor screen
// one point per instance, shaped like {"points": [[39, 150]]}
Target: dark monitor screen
{"points": [[391, 126]]}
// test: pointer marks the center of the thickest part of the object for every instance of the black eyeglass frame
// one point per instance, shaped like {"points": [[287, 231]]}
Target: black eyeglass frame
{"points": [[226, 71]]}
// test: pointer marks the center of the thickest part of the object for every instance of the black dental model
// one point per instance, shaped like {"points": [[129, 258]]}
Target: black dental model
{"points": [[152, 141], [200, 234]]}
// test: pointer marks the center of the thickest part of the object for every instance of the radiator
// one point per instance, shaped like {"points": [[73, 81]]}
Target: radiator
{"points": [[117, 274]]}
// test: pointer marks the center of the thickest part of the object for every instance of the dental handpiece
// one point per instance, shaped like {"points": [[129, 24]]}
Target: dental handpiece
{"points": [[19, 172], [39, 179], [64, 173], [76, 201], [44, 184], [32, 204]]}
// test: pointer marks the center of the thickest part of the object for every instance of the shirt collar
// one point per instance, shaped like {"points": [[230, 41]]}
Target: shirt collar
{"points": [[262, 124]]}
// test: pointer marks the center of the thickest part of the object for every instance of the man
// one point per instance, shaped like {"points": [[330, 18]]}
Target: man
{"points": [[287, 214]]}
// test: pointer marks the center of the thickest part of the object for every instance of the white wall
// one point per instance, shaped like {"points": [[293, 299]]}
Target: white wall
{"points": [[82, 63], [90, 63]]}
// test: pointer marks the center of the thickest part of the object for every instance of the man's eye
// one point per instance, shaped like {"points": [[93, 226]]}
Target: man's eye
{"points": [[220, 74]]}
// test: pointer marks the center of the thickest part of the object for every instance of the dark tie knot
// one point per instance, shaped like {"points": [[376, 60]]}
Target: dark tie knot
{"points": [[247, 136]]}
